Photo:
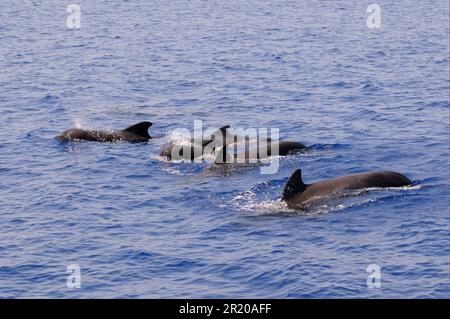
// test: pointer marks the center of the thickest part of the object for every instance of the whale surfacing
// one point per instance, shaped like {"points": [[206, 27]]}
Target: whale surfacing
{"points": [[134, 133], [299, 195], [195, 149]]}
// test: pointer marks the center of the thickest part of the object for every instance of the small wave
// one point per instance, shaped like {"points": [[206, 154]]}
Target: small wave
{"points": [[339, 85], [268, 207], [49, 98], [336, 207], [173, 171], [369, 87], [227, 170], [408, 187], [159, 158], [256, 200], [177, 137], [319, 146]]}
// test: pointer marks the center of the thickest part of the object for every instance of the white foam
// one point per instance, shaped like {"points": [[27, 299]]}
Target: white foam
{"points": [[249, 203]]}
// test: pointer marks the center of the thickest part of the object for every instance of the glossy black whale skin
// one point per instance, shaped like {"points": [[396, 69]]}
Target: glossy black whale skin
{"points": [[263, 150], [134, 133], [194, 150], [299, 195]]}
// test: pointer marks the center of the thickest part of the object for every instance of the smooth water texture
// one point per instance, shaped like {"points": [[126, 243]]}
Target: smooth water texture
{"points": [[138, 226]]}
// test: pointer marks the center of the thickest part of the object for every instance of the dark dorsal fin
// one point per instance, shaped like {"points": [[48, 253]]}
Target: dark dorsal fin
{"points": [[206, 142], [294, 185], [140, 129], [222, 131]]}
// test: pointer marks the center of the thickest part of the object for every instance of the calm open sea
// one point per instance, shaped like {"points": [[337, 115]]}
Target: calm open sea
{"points": [[364, 99]]}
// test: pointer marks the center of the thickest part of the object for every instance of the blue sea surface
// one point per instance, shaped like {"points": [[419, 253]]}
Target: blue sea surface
{"points": [[141, 227]]}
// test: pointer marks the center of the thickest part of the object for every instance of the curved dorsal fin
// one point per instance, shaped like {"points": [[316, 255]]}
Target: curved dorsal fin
{"points": [[221, 131], [294, 185], [140, 129]]}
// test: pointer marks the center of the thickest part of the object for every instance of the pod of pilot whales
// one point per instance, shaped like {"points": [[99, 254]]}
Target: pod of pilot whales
{"points": [[296, 194]]}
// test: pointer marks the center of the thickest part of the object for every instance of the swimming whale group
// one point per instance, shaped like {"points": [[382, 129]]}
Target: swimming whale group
{"points": [[296, 194]]}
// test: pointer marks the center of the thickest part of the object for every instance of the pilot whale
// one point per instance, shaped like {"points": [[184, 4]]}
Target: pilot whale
{"points": [[263, 150], [193, 150], [134, 133], [299, 195]]}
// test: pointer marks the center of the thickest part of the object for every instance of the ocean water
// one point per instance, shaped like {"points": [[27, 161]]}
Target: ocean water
{"points": [[141, 227]]}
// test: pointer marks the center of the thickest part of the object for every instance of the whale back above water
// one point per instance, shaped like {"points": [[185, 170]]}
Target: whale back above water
{"points": [[264, 149], [297, 194], [135, 133], [193, 150]]}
